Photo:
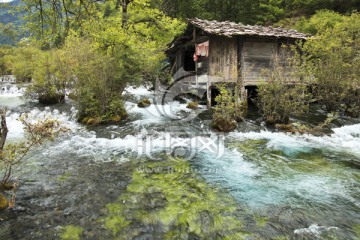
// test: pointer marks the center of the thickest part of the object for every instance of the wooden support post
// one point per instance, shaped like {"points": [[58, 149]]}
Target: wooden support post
{"points": [[244, 94], [208, 94]]}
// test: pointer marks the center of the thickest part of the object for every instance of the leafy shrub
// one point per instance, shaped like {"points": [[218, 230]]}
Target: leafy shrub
{"points": [[282, 92], [228, 109]]}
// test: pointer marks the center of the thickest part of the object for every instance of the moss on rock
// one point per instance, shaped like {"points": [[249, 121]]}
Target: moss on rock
{"points": [[71, 232], [93, 121], [193, 105], [168, 196], [4, 203], [144, 103], [224, 125]]}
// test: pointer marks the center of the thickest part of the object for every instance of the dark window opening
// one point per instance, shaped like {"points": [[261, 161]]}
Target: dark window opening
{"points": [[189, 64], [214, 93], [252, 94]]}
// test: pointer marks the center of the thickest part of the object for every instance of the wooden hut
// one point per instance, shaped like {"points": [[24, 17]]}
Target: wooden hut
{"points": [[210, 52]]}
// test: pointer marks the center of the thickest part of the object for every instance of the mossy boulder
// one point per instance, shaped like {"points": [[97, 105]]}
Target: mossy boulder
{"points": [[115, 119], [144, 103], [111, 119], [193, 105], [93, 121], [224, 125], [285, 127], [352, 112], [51, 99], [4, 203]]}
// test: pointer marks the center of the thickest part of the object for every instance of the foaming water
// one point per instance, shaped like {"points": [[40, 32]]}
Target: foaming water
{"points": [[139, 92], [11, 91], [344, 139], [314, 231], [157, 113], [15, 127], [301, 183]]}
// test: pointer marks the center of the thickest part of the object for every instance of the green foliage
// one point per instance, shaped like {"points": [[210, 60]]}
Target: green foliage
{"points": [[71, 232], [244, 11], [98, 79], [23, 61], [51, 76], [228, 109], [253, 11], [47, 20], [10, 23], [282, 93], [333, 56], [6, 52], [321, 21]]}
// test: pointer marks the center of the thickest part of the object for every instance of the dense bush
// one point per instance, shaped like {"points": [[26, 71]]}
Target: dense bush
{"points": [[283, 92], [333, 57], [228, 109], [23, 61]]}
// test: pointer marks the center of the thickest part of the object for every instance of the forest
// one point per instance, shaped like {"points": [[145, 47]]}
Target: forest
{"points": [[97, 48]]}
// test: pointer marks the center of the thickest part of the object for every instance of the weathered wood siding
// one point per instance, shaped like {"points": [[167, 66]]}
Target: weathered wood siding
{"points": [[179, 60], [223, 59], [256, 55]]}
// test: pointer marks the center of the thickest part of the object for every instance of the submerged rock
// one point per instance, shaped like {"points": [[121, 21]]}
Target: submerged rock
{"points": [[52, 99]]}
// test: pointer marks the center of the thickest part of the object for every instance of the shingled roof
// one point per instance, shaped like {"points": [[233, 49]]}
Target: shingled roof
{"points": [[237, 29]]}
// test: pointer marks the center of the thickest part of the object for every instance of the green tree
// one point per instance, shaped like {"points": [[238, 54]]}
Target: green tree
{"points": [[98, 85], [52, 75], [106, 53], [333, 55], [6, 51], [49, 20], [23, 61]]}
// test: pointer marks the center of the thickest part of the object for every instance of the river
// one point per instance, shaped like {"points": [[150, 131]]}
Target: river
{"points": [[164, 174]]}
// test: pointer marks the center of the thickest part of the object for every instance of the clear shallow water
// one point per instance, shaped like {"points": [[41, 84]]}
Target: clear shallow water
{"points": [[299, 186]]}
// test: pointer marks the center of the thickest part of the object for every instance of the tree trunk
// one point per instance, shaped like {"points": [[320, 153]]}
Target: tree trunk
{"points": [[124, 13], [124, 4], [3, 130]]}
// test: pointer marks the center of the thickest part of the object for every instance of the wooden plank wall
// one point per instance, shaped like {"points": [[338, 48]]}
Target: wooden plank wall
{"points": [[257, 55], [223, 58]]}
